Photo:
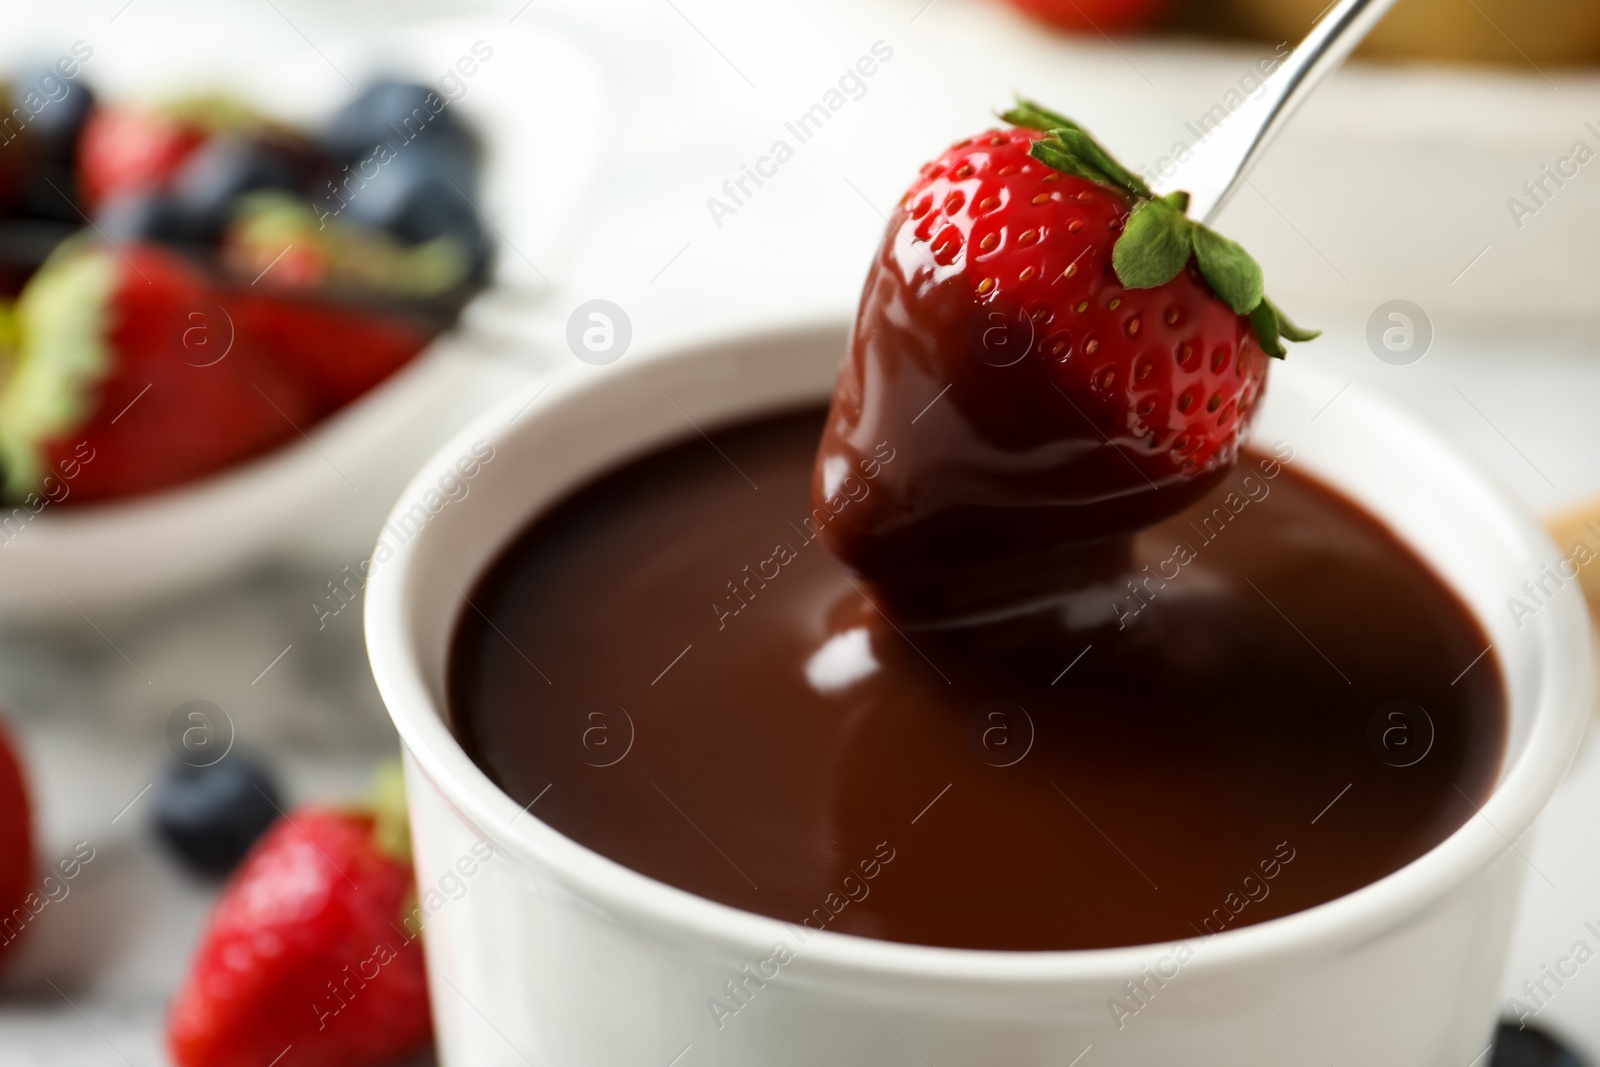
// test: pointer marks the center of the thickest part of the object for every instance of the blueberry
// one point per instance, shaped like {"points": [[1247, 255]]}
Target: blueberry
{"points": [[210, 816], [51, 109], [406, 165], [397, 113], [413, 197], [219, 173], [418, 195], [1531, 1047], [146, 216], [42, 115]]}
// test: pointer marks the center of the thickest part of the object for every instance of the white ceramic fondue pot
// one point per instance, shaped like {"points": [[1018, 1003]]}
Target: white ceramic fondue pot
{"points": [[544, 953]]}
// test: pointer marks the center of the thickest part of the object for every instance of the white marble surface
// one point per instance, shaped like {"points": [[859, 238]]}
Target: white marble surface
{"points": [[1389, 187]]}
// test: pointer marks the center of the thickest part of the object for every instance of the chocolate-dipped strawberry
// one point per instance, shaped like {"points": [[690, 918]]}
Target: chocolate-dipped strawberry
{"points": [[1057, 357]]}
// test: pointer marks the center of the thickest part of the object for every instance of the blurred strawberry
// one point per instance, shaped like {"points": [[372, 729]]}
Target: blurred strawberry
{"points": [[335, 351], [306, 281], [305, 950], [131, 375], [16, 844], [126, 150], [281, 240], [133, 372], [1096, 16], [129, 149]]}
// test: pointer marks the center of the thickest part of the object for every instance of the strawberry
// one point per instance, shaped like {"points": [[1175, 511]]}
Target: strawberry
{"points": [[16, 846], [280, 239], [336, 351], [124, 381], [1102, 356], [128, 150], [300, 299], [135, 372], [305, 951], [1096, 16]]}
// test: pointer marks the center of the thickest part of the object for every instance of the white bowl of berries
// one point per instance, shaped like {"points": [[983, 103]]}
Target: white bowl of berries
{"points": [[224, 335]]}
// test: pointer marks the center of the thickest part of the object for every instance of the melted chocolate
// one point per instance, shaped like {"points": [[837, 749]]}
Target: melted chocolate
{"points": [[686, 681]]}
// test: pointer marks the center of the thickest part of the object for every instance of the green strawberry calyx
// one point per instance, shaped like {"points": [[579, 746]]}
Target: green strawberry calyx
{"points": [[386, 802], [344, 257], [57, 352], [1159, 237]]}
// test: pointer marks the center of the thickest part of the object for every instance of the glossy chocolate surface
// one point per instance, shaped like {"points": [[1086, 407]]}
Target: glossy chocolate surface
{"points": [[1271, 713]]}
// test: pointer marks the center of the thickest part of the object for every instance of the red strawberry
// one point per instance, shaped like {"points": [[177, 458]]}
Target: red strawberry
{"points": [[1062, 358], [16, 846], [136, 373], [306, 951], [338, 351], [125, 381], [127, 150], [290, 245], [306, 278], [1096, 16]]}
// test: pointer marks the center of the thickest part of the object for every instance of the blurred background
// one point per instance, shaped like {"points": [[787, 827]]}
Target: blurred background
{"points": [[580, 151]]}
